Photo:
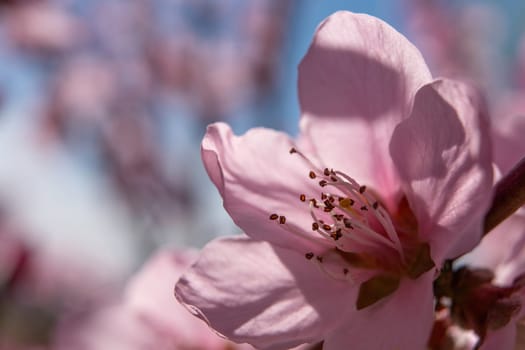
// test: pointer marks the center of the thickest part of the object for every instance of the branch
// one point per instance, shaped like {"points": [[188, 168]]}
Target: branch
{"points": [[509, 196]]}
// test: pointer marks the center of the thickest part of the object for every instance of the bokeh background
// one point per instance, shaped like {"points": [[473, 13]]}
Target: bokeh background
{"points": [[103, 105]]}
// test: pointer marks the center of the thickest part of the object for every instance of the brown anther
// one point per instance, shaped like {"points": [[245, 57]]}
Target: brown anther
{"points": [[293, 150], [364, 208], [274, 217], [282, 220], [362, 189], [375, 205], [326, 227], [327, 209], [345, 271], [337, 234], [346, 202], [315, 226], [338, 217], [326, 172], [319, 258], [314, 203], [347, 223], [312, 175], [333, 178], [323, 196], [322, 183], [309, 255], [302, 198], [328, 204], [331, 199]]}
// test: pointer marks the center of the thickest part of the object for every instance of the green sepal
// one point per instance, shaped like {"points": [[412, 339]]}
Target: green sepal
{"points": [[421, 262], [375, 289]]}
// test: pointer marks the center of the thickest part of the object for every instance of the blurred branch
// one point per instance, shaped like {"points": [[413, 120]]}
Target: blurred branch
{"points": [[509, 196]]}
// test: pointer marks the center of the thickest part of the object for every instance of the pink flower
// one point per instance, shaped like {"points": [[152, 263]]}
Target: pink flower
{"points": [[501, 254], [147, 317], [390, 175]]}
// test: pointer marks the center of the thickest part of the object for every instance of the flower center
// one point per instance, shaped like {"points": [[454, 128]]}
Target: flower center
{"points": [[355, 230]]}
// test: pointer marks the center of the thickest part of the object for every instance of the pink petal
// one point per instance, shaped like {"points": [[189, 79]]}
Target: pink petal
{"points": [[501, 339], [401, 321], [443, 156], [149, 294], [508, 131], [257, 176], [270, 297], [356, 83], [502, 250]]}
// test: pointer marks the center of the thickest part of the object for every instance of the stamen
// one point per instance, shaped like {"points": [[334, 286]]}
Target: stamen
{"points": [[274, 217], [346, 277], [350, 207]]}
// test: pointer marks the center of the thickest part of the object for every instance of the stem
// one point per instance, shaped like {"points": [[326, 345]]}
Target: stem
{"points": [[509, 196]]}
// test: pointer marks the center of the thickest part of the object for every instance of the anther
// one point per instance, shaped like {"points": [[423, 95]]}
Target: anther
{"points": [[333, 178], [326, 172], [282, 220], [326, 227], [302, 198], [319, 258], [328, 204], [362, 189], [337, 234], [347, 223], [293, 150], [274, 217], [375, 205], [311, 175], [346, 202], [315, 226], [345, 271], [364, 208], [309, 255], [323, 183]]}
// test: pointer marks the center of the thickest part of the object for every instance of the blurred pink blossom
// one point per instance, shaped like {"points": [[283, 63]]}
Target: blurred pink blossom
{"points": [[147, 316], [43, 27]]}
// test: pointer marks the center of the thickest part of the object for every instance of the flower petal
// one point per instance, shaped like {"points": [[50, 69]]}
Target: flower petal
{"points": [[267, 296], [443, 156], [502, 250], [401, 321], [257, 176], [356, 83], [501, 339], [149, 294]]}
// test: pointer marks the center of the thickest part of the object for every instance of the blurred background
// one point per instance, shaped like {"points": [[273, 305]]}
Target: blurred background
{"points": [[103, 105]]}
